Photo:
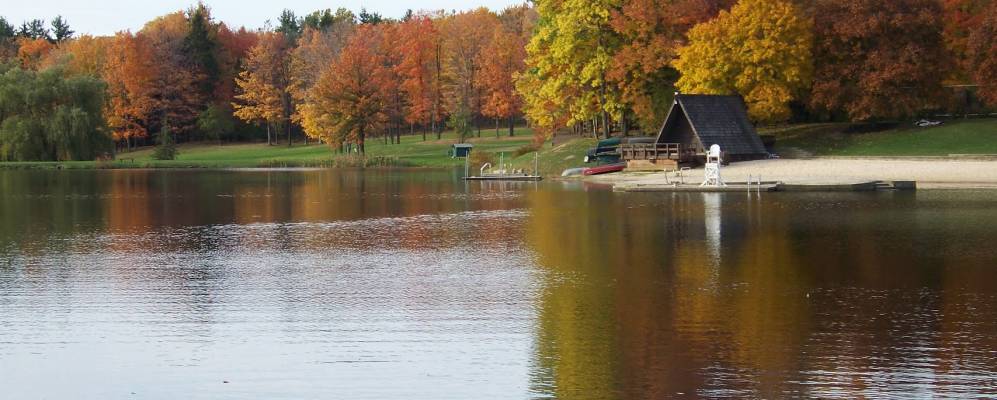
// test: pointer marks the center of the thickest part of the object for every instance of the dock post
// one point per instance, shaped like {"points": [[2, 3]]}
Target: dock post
{"points": [[536, 163]]}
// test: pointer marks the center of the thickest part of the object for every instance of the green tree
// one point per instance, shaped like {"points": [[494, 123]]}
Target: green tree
{"points": [[60, 30], [47, 116], [216, 122], [760, 49], [34, 29], [167, 148], [290, 26], [201, 45]]}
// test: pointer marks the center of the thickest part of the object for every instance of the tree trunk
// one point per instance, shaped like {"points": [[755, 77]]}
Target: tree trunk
{"points": [[605, 124], [626, 123], [512, 127], [361, 146], [288, 133], [269, 142]]}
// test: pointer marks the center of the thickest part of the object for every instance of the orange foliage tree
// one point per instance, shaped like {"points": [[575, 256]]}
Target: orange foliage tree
{"points": [[176, 86], [31, 52], [652, 31], [131, 73], [465, 36], [503, 58], [420, 70], [348, 101]]}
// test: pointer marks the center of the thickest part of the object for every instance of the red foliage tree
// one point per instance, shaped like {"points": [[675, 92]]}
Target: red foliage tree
{"points": [[982, 54], [875, 59]]}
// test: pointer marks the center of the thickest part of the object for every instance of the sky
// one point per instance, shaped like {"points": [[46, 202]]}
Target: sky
{"points": [[105, 17]]}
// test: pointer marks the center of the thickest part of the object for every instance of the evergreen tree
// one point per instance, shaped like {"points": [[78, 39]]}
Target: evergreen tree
{"points": [[370, 18], [201, 45], [167, 148], [34, 29], [290, 26], [7, 30], [60, 29]]}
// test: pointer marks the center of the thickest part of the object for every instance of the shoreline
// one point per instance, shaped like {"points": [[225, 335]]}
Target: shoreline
{"points": [[946, 173]]}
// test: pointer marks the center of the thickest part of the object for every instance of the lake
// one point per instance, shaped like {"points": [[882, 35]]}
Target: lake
{"points": [[270, 284]]}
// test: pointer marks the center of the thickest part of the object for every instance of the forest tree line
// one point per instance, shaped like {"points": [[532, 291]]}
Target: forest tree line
{"points": [[594, 65]]}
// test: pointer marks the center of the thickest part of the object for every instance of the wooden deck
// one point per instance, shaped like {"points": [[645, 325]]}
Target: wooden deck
{"points": [[656, 151]]}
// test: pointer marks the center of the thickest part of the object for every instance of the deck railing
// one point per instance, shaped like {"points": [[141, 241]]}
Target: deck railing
{"points": [[654, 151]]}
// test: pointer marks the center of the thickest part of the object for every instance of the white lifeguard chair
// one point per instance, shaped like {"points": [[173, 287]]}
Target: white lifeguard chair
{"points": [[713, 161]]}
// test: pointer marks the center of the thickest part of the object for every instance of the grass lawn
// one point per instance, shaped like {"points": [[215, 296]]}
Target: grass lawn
{"points": [[954, 137], [412, 151], [974, 136], [554, 160]]}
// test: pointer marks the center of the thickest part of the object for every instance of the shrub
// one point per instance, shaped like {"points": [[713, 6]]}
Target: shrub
{"points": [[526, 149], [479, 158], [167, 149]]}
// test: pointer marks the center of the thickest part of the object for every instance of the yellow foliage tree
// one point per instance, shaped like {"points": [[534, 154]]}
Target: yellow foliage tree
{"points": [[567, 63], [761, 49], [261, 99]]}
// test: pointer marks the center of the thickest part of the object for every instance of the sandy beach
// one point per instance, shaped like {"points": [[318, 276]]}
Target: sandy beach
{"points": [[929, 173]]}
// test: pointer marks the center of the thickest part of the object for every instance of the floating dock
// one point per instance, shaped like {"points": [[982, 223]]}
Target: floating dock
{"points": [[870, 186], [499, 177]]}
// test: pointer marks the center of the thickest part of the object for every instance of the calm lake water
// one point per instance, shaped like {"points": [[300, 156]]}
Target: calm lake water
{"points": [[414, 285]]}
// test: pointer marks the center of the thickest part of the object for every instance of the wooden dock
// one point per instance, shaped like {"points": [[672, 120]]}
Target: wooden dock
{"points": [[497, 177], [742, 187]]}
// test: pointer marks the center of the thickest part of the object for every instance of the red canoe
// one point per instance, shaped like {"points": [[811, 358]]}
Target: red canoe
{"points": [[604, 169]]}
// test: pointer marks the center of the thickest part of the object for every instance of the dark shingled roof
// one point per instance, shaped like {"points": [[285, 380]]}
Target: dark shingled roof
{"points": [[721, 120]]}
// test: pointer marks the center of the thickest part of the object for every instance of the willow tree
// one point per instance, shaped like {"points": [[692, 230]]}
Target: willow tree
{"points": [[760, 49], [46, 116]]}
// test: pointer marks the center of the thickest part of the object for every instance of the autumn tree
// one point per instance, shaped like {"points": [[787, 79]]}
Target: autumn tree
{"points": [[264, 84], [877, 59], [233, 47], [571, 52], [87, 55], [503, 59], [348, 102], [132, 74], [465, 36], [177, 85], [31, 52], [982, 54], [760, 49], [652, 31], [395, 101], [960, 19], [420, 70]]}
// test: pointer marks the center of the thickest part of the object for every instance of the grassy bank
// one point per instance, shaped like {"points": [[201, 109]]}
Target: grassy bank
{"points": [[977, 136], [412, 152], [954, 137]]}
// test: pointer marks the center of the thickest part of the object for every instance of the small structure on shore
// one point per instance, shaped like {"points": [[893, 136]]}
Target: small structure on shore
{"points": [[462, 150], [694, 123]]}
